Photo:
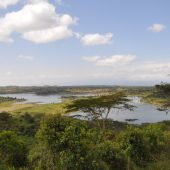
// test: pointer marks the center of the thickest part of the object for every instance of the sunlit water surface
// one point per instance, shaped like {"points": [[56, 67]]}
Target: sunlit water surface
{"points": [[143, 113]]}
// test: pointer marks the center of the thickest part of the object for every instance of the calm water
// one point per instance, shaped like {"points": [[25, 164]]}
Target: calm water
{"points": [[33, 98], [41, 99], [144, 113]]}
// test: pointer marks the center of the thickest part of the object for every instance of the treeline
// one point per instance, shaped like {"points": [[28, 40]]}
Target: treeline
{"points": [[46, 90], [163, 88], [7, 99]]}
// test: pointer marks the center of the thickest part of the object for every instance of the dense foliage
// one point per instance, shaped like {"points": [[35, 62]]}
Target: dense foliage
{"points": [[72, 145], [13, 150], [62, 143], [142, 146], [163, 88]]}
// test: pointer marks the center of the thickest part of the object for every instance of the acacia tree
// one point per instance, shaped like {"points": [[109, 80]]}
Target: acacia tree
{"points": [[98, 108]]}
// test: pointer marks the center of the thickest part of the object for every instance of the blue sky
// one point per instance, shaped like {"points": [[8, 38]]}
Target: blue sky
{"points": [[69, 42]]}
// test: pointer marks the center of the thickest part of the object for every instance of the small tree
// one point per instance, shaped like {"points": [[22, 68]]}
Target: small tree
{"points": [[98, 108]]}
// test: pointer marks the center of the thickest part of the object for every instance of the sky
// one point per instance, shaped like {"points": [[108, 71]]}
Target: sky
{"points": [[87, 42]]}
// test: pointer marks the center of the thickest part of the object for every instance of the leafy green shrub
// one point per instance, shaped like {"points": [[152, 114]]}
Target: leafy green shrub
{"points": [[155, 138], [5, 121], [142, 146], [108, 157], [13, 151], [70, 144]]}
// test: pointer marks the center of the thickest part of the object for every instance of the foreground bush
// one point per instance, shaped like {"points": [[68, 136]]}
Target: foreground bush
{"points": [[70, 144], [142, 146], [13, 151]]}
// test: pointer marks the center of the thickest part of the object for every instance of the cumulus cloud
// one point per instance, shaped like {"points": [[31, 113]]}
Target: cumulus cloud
{"points": [[156, 27], [6, 3], [147, 71], [138, 72], [38, 22], [36, 1], [111, 61], [96, 39], [25, 57], [128, 68]]}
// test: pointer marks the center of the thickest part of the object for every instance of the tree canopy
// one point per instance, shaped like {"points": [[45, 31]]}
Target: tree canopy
{"points": [[98, 107]]}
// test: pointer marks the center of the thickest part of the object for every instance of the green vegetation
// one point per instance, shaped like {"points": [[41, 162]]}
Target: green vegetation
{"points": [[46, 90], [43, 137], [13, 150], [60, 142], [8, 99], [160, 96]]}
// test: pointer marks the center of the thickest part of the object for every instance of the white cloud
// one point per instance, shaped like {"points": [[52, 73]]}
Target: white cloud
{"points": [[150, 71], [96, 39], [128, 68], [36, 1], [135, 73], [156, 27], [37, 22], [48, 35], [6, 3], [26, 57], [111, 61]]}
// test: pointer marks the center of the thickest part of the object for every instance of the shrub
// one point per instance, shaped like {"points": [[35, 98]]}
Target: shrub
{"points": [[142, 146], [72, 145], [13, 151]]}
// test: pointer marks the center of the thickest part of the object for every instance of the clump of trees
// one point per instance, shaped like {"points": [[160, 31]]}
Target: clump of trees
{"points": [[98, 108], [23, 124], [164, 88], [8, 99]]}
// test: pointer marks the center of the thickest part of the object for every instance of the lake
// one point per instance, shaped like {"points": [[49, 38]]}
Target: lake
{"points": [[33, 98], [144, 113], [41, 99]]}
